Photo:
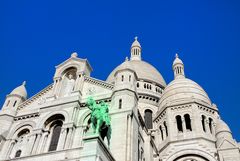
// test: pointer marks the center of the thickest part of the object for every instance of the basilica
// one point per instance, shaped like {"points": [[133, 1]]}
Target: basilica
{"points": [[149, 119]]}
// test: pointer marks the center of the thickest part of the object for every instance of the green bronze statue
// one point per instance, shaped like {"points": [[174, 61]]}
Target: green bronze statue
{"points": [[100, 119]]}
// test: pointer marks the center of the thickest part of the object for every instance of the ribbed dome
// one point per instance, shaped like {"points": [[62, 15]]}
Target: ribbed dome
{"points": [[183, 89], [20, 91], [144, 71], [222, 127]]}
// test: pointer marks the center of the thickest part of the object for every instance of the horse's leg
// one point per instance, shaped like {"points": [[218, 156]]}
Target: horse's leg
{"points": [[98, 126]]}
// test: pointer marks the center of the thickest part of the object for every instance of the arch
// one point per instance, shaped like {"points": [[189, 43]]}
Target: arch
{"points": [[84, 116], [188, 122], [192, 151], [24, 125], [166, 129], [14, 104], [122, 78], [160, 127], [54, 125], [60, 72], [148, 118], [190, 157], [64, 113], [137, 85], [56, 131], [210, 120], [179, 123], [203, 123], [120, 104], [18, 153]]}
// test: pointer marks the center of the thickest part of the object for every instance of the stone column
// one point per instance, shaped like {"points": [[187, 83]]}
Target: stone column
{"points": [[79, 81], [56, 85], [183, 124], [9, 150], [6, 149], [44, 142], [207, 126], [36, 144], [62, 139], [30, 144], [69, 137], [41, 142], [164, 133]]}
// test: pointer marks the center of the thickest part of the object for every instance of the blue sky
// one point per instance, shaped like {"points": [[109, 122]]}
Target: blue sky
{"points": [[35, 36]]}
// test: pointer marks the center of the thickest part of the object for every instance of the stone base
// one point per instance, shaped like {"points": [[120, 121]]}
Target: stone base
{"points": [[94, 149]]}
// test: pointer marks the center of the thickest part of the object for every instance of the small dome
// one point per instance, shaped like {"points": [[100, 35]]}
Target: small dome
{"points": [[136, 43], [20, 91], [222, 127], [144, 71], [183, 89], [177, 60]]}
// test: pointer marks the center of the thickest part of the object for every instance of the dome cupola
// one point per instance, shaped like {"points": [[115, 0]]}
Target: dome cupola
{"points": [[178, 68], [182, 89], [20, 91], [17, 96], [136, 50]]}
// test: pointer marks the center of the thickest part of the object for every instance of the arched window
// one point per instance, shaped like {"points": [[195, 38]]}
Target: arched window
{"points": [[14, 104], [130, 78], [137, 85], [210, 124], [165, 125], [203, 123], [148, 118], [8, 102], [144, 85], [120, 104], [188, 122], [55, 137], [122, 78], [18, 153], [54, 125], [160, 127], [179, 123]]}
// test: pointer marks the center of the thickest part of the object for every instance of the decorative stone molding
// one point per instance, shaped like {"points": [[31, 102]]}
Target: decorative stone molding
{"points": [[35, 97], [26, 116], [98, 82]]}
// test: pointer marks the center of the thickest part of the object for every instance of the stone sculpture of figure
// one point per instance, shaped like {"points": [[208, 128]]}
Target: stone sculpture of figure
{"points": [[100, 119], [70, 82]]}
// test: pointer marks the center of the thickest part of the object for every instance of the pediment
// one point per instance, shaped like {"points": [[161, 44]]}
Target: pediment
{"points": [[96, 88], [37, 99]]}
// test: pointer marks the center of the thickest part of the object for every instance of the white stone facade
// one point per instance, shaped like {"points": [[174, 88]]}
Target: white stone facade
{"points": [[151, 121]]}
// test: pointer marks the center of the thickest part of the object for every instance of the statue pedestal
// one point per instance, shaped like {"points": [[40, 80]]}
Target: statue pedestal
{"points": [[94, 149]]}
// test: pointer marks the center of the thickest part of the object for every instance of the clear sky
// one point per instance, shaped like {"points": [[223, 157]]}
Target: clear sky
{"points": [[35, 36]]}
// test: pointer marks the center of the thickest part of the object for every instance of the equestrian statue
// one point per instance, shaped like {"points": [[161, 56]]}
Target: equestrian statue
{"points": [[100, 118]]}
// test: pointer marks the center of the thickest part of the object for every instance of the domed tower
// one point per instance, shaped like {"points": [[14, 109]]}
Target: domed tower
{"points": [[137, 78], [186, 120], [16, 97], [136, 50], [9, 109], [149, 82], [227, 147]]}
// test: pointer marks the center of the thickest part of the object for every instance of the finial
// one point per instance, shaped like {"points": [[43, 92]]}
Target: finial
{"points": [[74, 55], [176, 56], [126, 59], [136, 38], [24, 83]]}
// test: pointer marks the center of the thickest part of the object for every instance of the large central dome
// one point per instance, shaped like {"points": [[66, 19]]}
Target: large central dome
{"points": [[144, 71]]}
